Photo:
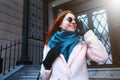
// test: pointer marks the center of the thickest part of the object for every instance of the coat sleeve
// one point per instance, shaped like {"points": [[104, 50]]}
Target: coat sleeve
{"points": [[95, 49], [45, 74]]}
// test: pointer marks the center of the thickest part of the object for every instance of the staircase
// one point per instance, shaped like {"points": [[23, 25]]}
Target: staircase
{"points": [[33, 73], [26, 73], [104, 74]]}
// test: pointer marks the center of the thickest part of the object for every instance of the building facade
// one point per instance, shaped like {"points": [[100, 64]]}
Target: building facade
{"points": [[28, 21]]}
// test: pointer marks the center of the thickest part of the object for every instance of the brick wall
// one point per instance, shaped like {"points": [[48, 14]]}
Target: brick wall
{"points": [[11, 12]]}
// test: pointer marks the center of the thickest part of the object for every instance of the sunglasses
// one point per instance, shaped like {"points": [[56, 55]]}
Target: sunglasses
{"points": [[70, 19]]}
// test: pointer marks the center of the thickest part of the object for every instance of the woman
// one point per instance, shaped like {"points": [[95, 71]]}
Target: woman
{"points": [[70, 64]]}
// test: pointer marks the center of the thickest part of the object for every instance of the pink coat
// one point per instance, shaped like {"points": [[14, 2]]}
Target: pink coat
{"points": [[76, 68]]}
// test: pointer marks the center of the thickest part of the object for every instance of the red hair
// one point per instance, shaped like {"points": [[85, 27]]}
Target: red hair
{"points": [[55, 27]]}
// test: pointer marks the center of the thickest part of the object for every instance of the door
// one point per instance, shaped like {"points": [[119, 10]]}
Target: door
{"points": [[94, 15]]}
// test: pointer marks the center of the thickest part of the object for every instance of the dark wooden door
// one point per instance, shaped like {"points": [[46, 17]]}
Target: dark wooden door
{"points": [[96, 15]]}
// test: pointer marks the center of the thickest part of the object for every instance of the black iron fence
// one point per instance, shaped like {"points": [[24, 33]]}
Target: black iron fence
{"points": [[9, 55], [35, 50]]}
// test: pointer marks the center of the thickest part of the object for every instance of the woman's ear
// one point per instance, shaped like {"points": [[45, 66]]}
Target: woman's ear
{"points": [[60, 25]]}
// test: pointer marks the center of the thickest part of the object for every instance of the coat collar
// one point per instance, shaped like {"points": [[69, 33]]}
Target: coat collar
{"points": [[73, 55]]}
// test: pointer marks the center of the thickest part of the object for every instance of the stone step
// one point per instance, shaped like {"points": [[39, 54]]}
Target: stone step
{"points": [[31, 73], [104, 78], [27, 78], [26, 73], [104, 74]]}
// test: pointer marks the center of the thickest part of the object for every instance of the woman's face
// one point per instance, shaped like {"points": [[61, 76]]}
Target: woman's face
{"points": [[68, 23]]}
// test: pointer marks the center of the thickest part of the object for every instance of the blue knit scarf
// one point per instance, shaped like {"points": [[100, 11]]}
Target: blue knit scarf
{"points": [[67, 40]]}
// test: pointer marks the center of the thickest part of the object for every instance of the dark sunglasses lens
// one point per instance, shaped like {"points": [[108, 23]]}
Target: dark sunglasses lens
{"points": [[69, 19]]}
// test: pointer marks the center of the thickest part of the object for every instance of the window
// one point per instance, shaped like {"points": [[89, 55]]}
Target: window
{"points": [[100, 28]]}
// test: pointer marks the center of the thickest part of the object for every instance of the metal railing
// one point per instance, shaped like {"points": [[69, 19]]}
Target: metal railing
{"points": [[35, 50], [9, 55]]}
